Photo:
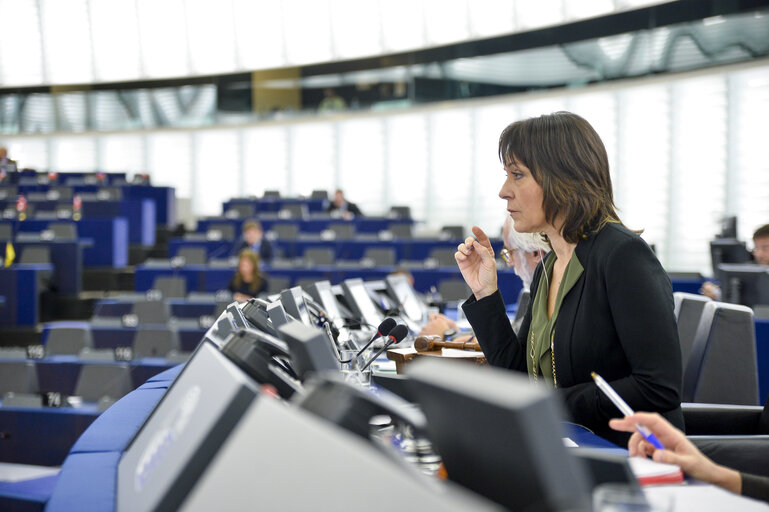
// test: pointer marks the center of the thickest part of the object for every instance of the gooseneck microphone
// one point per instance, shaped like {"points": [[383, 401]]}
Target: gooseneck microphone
{"points": [[396, 336], [387, 325]]}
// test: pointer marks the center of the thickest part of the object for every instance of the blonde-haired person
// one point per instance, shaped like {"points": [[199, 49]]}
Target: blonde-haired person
{"points": [[248, 281]]}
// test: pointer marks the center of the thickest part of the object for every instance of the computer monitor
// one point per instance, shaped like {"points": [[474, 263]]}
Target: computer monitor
{"points": [[293, 302], [728, 228], [285, 458], [309, 348], [404, 295], [487, 422], [183, 432], [745, 284], [322, 293], [361, 304], [255, 312], [727, 250]]}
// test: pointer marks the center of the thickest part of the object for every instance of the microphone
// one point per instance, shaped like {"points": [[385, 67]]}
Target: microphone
{"points": [[387, 325], [396, 336]]}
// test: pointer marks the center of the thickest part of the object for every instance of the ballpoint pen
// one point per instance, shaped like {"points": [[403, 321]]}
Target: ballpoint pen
{"points": [[625, 409]]}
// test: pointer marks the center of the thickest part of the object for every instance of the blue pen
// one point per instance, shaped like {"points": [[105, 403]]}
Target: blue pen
{"points": [[625, 409]]}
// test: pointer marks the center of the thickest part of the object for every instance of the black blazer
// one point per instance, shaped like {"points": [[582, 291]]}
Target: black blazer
{"points": [[351, 207], [617, 320]]}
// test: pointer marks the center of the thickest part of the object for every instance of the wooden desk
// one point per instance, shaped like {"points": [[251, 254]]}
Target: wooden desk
{"points": [[401, 356]]}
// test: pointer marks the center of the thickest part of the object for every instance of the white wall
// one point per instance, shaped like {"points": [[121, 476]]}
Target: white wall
{"points": [[685, 150]]}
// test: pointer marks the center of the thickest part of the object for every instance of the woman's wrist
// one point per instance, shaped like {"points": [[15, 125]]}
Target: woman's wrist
{"points": [[727, 478], [485, 292]]}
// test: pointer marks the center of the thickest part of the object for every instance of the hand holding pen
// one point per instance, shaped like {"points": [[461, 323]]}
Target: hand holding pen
{"points": [[625, 409]]}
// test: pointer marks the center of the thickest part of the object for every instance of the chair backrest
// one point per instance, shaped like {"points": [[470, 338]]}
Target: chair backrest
{"points": [[103, 380], [343, 230], [171, 287], [6, 231], [319, 256], [401, 230], [277, 284], [688, 311], [453, 232], [722, 367], [155, 341], [192, 256], [444, 256], [293, 211], [152, 311], [226, 231], [18, 377], [242, 210], [63, 230], [35, 254], [285, 231], [401, 212], [453, 289], [274, 194], [381, 255], [319, 194], [68, 340]]}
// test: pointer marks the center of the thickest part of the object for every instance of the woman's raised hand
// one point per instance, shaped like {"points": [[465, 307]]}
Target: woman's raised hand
{"points": [[475, 258]]}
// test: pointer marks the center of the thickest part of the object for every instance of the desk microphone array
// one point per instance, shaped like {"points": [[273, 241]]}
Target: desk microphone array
{"points": [[397, 334], [387, 325]]}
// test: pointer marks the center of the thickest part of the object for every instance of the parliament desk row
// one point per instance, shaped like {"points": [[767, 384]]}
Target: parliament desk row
{"points": [[417, 249], [203, 278], [369, 225], [180, 308], [274, 205], [67, 261], [108, 238], [114, 335], [31, 177], [59, 374], [164, 197], [140, 215], [21, 285]]}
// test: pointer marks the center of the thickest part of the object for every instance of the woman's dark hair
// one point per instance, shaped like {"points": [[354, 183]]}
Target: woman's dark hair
{"points": [[256, 278], [568, 160]]}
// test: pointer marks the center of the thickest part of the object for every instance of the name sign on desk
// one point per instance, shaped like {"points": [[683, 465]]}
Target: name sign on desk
{"points": [[35, 351], [124, 354]]}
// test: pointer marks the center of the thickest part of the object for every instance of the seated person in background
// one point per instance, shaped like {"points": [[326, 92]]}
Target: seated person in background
{"points": [[6, 164], [680, 451], [253, 239], [340, 206], [760, 257], [248, 281], [523, 252]]}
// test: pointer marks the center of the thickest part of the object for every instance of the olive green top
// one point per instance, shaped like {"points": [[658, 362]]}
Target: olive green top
{"points": [[539, 361]]}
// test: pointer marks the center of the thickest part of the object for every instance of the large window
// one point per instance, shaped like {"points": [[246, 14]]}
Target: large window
{"points": [[684, 151]]}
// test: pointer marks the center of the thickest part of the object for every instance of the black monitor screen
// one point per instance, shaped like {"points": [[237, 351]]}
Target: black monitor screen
{"points": [[745, 284], [359, 300], [293, 302], [309, 347], [486, 422], [405, 296], [727, 250], [321, 292]]}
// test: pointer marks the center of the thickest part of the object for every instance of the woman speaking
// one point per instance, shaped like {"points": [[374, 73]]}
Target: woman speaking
{"points": [[601, 301]]}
